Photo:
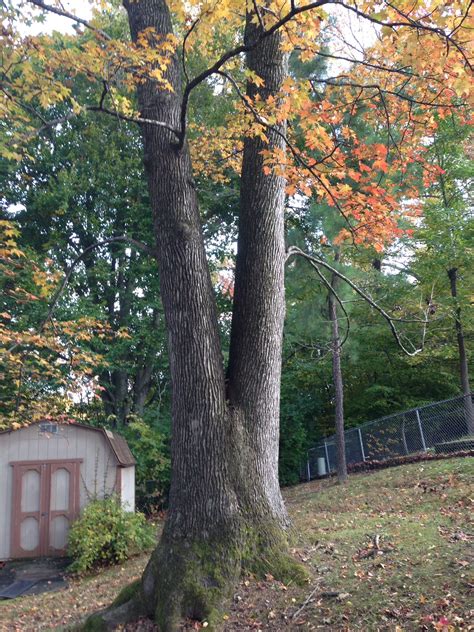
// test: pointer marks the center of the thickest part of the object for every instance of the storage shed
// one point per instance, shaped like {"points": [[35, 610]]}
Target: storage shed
{"points": [[48, 473]]}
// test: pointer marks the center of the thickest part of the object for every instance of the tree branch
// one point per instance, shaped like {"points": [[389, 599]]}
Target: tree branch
{"points": [[294, 11], [244, 48], [408, 22], [333, 81], [70, 16], [316, 261], [95, 108], [331, 289]]}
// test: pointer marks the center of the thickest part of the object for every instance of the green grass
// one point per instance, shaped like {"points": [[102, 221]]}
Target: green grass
{"points": [[419, 515]]}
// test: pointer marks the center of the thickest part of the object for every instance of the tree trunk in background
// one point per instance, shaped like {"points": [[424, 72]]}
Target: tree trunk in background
{"points": [[341, 465], [144, 372], [225, 506], [142, 386], [463, 363]]}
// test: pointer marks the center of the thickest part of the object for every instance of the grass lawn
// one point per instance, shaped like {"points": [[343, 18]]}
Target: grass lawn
{"points": [[391, 550]]}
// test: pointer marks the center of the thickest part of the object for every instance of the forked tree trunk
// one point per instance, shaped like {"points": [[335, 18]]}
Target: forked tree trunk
{"points": [[463, 362], [341, 465], [225, 506]]}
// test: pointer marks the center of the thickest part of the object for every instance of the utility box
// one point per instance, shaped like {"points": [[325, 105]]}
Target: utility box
{"points": [[322, 471]]}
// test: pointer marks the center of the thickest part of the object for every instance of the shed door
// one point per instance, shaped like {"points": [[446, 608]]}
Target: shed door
{"points": [[45, 501]]}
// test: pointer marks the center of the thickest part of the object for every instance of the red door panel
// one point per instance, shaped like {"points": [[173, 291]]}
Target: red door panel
{"points": [[45, 502]]}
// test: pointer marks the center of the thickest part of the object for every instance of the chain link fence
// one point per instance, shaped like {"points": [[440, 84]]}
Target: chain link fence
{"points": [[442, 427]]}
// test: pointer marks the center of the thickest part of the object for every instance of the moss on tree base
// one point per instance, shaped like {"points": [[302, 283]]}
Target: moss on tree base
{"points": [[195, 579]]}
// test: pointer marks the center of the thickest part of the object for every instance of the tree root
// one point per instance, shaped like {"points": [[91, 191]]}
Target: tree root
{"points": [[195, 579], [112, 617]]}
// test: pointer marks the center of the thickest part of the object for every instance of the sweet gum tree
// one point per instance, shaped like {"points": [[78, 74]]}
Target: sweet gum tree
{"points": [[285, 136]]}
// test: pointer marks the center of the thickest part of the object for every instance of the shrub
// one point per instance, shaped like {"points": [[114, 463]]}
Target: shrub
{"points": [[149, 446], [106, 534]]}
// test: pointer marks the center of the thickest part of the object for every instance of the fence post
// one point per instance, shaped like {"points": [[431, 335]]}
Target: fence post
{"points": [[418, 418], [404, 437], [361, 444], [308, 469], [327, 456]]}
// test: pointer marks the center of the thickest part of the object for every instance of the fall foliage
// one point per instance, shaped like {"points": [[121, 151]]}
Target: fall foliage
{"points": [[406, 82], [217, 90], [45, 368]]}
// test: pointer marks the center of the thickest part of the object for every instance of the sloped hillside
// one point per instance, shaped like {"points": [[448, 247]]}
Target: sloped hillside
{"points": [[391, 550]]}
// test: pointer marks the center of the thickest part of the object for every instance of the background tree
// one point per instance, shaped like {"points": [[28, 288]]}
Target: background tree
{"points": [[44, 367], [446, 239]]}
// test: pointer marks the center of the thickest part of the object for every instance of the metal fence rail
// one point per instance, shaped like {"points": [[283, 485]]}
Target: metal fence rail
{"points": [[441, 427]]}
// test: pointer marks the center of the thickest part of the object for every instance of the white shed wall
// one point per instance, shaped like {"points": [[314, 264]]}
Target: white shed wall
{"points": [[98, 469], [127, 494]]}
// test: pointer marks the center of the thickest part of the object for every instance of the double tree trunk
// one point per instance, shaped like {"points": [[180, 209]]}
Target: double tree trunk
{"points": [[225, 506]]}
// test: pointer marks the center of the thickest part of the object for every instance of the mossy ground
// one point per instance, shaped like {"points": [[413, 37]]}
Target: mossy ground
{"points": [[420, 578]]}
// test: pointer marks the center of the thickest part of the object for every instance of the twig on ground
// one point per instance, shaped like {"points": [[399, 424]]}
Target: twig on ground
{"points": [[305, 602]]}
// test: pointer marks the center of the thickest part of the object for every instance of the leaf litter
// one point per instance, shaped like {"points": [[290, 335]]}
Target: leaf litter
{"points": [[390, 550]]}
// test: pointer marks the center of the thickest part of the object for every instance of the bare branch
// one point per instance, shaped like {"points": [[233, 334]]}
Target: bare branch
{"points": [[132, 119], [185, 39], [98, 108], [66, 14], [331, 289], [259, 15], [399, 71], [333, 81], [316, 261]]}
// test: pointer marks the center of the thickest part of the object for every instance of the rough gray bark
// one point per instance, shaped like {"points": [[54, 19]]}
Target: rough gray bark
{"points": [[463, 362], [225, 506], [341, 465], [259, 301]]}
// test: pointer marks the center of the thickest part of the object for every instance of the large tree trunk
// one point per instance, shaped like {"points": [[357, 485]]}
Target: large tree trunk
{"points": [[463, 363], [259, 302], [225, 506], [341, 465]]}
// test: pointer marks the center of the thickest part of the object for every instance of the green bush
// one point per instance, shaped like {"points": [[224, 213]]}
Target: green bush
{"points": [[149, 446], [106, 534]]}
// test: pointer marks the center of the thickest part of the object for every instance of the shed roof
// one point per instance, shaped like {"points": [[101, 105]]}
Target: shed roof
{"points": [[117, 443]]}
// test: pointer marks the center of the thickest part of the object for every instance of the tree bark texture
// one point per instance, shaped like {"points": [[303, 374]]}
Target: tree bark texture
{"points": [[259, 302], [463, 362], [341, 465], [225, 507]]}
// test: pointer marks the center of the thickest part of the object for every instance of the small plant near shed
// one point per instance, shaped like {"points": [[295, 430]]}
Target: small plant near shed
{"points": [[107, 534]]}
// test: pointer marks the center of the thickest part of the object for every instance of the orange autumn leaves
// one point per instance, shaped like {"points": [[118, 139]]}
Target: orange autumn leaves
{"points": [[357, 133], [357, 141]]}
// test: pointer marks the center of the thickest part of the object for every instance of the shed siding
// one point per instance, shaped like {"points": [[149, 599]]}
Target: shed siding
{"points": [[127, 493], [98, 470]]}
